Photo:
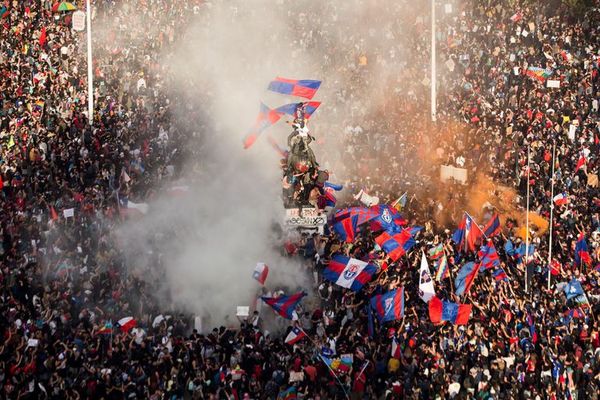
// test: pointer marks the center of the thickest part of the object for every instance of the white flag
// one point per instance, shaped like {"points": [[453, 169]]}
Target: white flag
{"points": [[426, 289], [366, 199]]}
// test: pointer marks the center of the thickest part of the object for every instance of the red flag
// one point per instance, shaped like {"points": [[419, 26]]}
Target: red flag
{"points": [[53, 214], [581, 163], [43, 37]]}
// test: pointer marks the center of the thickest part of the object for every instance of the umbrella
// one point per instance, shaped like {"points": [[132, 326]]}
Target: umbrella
{"points": [[63, 6]]}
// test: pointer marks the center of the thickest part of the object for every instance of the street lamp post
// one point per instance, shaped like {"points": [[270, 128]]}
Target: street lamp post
{"points": [[89, 62]]}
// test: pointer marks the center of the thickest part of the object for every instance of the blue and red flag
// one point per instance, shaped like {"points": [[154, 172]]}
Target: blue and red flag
{"points": [[439, 311], [499, 274], [574, 313], [328, 199], [468, 234], [346, 228], [398, 244], [389, 306], [302, 88], [284, 305], [488, 256], [349, 272], [582, 255], [388, 219], [465, 277], [309, 108], [492, 227], [266, 118], [345, 222], [532, 332]]}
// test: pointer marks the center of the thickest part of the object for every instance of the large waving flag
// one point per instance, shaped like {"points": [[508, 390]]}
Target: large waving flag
{"points": [[285, 305], [492, 228], [439, 311], [266, 118], [465, 277], [346, 228], [349, 272], [398, 244], [309, 108], [345, 222], [468, 234], [582, 255], [388, 219], [488, 256], [389, 306], [302, 88]]}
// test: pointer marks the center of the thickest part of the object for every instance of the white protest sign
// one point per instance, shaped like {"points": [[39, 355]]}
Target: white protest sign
{"points": [[78, 19], [243, 311], [448, 171], [69, 212], [553, 83]]}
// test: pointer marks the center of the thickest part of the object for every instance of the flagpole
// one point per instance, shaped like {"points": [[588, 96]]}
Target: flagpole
{"points": [[551, 217], [327, 365], [89, 62], [433, 66], [527, 219]]}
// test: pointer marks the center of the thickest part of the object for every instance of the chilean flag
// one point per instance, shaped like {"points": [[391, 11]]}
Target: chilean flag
{"points": [[349, 272], [126, 324], [561, 199], [285, 305], [396, 349], [260, 272], [295, 335], [439, 311], [468, 234], [266, 118], [302, 88], [389, 306]]}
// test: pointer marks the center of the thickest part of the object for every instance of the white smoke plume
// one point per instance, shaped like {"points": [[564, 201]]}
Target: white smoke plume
{"points": [[210, 240]]}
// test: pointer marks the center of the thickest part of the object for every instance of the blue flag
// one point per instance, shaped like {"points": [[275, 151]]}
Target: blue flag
{"points": [[573, 289]]}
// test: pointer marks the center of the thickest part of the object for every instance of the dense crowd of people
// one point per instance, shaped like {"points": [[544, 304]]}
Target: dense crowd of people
{"points": [[68, 184]]}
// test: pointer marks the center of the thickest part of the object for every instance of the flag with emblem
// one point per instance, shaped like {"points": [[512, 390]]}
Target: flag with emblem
{"points": [[349, 272], [426, 289], [389, 306]]}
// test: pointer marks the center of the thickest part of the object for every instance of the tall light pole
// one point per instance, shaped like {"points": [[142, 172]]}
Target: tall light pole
{"points": [[90, 69], [527, 220], [551, 217], [433, 72]]}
